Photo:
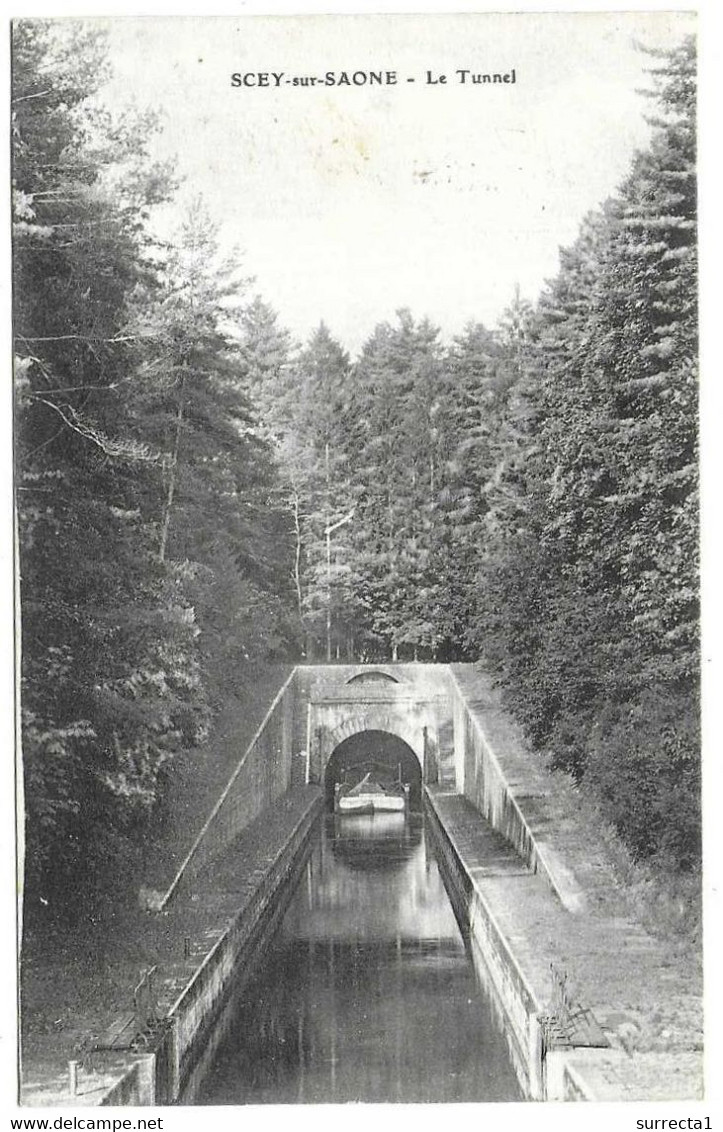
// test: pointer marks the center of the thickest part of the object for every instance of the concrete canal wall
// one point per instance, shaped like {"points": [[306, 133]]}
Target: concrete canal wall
{"points": [[262, 775], [201, 1013], [482, 875], [174, 1066], [513, 999], [589, 1003], [499, 777]]}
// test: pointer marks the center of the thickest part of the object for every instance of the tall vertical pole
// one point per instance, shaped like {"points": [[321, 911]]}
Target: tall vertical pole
{"points": [[328, 553], [327, 531], [328, 595]]}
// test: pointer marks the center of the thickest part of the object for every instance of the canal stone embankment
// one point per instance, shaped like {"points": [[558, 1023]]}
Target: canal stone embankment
{"points": [[523, 940], [262, 775], [207, 938], [494, 771], [246, 904]]}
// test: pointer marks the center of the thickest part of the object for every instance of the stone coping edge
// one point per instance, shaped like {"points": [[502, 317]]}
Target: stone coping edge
{"points": [[557, 874]]}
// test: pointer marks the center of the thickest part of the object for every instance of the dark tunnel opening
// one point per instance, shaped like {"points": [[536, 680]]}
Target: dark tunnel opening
{"points": [[359, 752]]}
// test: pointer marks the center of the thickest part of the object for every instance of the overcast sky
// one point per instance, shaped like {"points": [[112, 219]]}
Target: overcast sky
{"points": [[351, 202]]}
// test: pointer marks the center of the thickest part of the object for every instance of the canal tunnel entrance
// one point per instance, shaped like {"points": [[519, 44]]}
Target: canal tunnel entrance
{"points": [[386, 752]]}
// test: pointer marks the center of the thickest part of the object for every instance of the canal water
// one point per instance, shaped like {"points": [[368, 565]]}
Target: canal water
{"points": [[367, 993]]}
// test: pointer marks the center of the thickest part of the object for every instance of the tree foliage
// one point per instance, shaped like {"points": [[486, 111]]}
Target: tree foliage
{"points": [[592, 579], [141, 485]]}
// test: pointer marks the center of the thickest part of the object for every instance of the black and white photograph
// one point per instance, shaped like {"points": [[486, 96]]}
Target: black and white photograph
{"points": [[357, 569]]}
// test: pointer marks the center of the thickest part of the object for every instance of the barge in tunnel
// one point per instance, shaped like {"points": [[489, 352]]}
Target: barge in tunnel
{"points": [[384, 758]]}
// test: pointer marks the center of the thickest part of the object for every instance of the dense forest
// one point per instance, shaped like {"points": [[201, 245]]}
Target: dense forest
{"points": [[197, 494]]}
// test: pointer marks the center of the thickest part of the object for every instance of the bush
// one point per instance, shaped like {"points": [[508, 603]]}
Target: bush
{"points": [[643, 764]]}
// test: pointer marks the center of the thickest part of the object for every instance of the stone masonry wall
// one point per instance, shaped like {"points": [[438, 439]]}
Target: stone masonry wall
{"points": [[262, 775]]}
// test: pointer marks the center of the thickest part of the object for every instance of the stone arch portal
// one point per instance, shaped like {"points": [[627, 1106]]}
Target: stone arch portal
{"points": [[382, 748], [409, 721], [387, 721], [411, 702]]}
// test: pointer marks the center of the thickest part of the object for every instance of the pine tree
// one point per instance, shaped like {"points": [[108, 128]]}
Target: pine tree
{"points": [[320, 380], [109, 680], [219, 522], [151, 563], [265, 353], [469, 405], [396, 450], [590, 571]]}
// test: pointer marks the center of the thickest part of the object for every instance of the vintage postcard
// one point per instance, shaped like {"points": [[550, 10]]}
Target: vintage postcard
{"points": [[356, 471]]}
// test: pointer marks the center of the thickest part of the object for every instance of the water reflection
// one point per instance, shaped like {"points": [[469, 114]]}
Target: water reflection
{"points": [[367, 994]]}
